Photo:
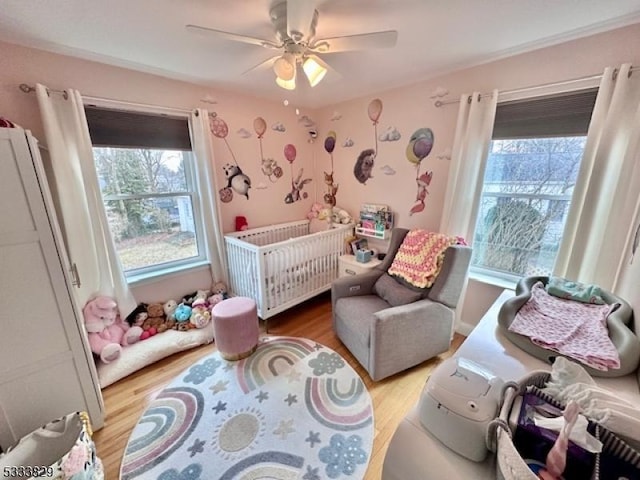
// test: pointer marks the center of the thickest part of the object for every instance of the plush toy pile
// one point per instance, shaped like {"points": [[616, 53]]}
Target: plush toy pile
{"points": [[108, 333], [193, 311], [335, 214]]}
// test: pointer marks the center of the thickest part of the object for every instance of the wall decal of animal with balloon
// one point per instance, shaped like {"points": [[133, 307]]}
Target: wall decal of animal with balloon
{"points": [[363, 168], [420, 145], [298, 183], [269, 166], [236, 180], [332, 187]]}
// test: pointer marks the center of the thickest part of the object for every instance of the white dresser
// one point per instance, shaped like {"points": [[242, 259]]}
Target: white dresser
{"points": [[46, 369]]}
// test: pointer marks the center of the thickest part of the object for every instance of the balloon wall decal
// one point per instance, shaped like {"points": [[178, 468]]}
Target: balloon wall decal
{"points": [[419, 146], [269, 166], [332, 188], [363, 168], [236, 180]]}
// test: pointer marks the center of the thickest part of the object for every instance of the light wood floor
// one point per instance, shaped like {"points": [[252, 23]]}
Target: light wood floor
{"points": [[127, 399]]}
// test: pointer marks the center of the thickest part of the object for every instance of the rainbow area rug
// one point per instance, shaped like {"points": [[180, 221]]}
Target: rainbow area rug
{"points": [[293, 410]]}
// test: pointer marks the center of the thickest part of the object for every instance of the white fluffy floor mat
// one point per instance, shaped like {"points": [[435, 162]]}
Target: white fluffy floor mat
{"points": [[146, 352]]}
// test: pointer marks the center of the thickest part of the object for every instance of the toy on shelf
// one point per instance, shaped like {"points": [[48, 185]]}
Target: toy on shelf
{"points": [[375, 221], [106, 332]]}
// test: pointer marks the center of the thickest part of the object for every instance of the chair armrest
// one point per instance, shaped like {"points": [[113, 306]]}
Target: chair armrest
{"points": [[409, 334], [353, 285]]}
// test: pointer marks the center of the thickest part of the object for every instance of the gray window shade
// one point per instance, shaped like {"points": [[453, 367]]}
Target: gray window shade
{"points": [[117, 128], [560, 115]]}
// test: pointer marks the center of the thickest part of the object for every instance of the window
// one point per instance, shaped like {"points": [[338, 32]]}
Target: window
{"points": [[146, 172], [531, 169]]}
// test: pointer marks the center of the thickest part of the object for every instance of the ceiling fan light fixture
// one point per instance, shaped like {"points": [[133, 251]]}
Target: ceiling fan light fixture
{"points": [[285, 67], [287, 84], [315, 70]]}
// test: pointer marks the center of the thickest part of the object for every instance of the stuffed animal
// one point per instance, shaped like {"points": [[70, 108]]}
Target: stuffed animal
{"points": [[182, 313], [214, 299], [106, 331], [220, 288], [200, 315], [153, 324], [169, 308], [135, 318], [315, 211], [189, 298]]}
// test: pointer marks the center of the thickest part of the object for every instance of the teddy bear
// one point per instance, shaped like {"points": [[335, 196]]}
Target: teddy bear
{"points": [[155, 321], [106, 331]]}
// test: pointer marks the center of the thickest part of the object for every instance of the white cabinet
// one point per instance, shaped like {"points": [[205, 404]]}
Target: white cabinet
{"points": [[348, 265], [46, 369]]}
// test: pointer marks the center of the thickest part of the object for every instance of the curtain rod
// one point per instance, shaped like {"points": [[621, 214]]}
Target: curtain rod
{"points": [[440, 103], [28, 89]]}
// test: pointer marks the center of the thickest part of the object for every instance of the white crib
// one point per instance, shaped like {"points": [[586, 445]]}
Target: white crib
{"points": [[282, 265]]}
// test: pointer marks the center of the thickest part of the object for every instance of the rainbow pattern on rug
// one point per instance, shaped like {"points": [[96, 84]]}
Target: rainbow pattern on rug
{"points": [[335, 407], [293, 410], [270, 360], [168, 422]]}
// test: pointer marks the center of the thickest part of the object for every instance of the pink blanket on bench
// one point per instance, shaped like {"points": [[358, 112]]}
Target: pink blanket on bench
{"points": [[577, 330]]}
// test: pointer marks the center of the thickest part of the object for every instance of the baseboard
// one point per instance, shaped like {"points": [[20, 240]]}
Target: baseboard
{"points": [[464, 328]]}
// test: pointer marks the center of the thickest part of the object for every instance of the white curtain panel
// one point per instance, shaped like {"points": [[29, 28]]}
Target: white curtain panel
{"points": [[88, 240], [210, 208], [608, 185], [468, 159]]}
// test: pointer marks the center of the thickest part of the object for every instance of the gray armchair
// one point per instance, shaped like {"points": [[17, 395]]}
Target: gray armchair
{"points": [[387, 339]]}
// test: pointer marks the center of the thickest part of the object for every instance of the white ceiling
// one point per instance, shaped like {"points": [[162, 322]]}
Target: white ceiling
{"points": [[434, 36]]}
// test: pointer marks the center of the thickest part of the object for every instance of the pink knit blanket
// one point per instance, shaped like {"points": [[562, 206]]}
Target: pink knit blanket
{"points": [[577, 330], [420, 256]]}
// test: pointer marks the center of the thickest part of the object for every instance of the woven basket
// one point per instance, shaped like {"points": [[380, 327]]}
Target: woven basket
{"points": [[509, 463]]}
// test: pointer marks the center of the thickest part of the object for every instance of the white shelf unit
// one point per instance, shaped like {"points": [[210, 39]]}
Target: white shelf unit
{"points": [[379, 234], [376, 221]]}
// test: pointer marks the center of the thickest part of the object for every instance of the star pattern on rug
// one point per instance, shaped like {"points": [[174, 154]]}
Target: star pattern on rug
{"points": [[228, 367], [284, 429], [312, 474], [220, 386], [317, 346], [291, 399], [197, 447], [313, 438], [220, 407], [294, 375], [262, 396]]}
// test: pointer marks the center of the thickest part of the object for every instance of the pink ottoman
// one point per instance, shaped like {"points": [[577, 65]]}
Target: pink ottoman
{"points": [[235, 327]]}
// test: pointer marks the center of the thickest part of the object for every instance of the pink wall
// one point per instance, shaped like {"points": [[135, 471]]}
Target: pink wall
{"points": [[407, 109], [265, 206]]}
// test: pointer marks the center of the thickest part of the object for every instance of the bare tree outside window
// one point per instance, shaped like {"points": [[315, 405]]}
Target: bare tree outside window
{"points": [[148, 197], [527, 189]]}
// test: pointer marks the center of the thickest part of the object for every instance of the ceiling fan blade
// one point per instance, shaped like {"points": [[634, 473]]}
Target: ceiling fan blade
{"points": [[364, 41], [261, 42], [268, 63], [300, 15]]}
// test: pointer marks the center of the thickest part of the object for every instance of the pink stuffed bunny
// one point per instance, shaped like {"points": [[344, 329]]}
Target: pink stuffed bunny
{"points": [[106, 331]]}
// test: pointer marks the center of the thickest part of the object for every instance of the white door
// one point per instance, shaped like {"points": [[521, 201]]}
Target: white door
{"points": [[45, 365]]}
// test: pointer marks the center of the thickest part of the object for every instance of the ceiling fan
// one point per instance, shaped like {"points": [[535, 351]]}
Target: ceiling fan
{"points": [[295, 24]]}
